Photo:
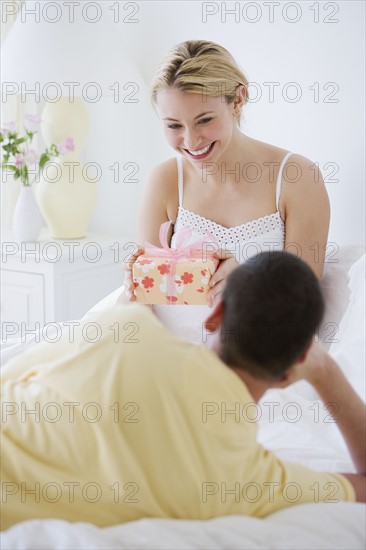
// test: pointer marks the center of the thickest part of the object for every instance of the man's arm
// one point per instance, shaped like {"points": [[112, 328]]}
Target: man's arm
{"points": [[346, 407]]}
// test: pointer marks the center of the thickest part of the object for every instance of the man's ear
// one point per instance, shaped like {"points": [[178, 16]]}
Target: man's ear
{"points": [[304, 354], [282, 382], [213, 321], [287, 377]]}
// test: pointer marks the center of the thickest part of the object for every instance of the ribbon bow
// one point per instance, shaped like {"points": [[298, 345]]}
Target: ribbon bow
{"points": [[183, 249]]}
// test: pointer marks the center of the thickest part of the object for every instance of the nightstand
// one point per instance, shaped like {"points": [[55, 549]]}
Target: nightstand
{"points": [[58, 280]]}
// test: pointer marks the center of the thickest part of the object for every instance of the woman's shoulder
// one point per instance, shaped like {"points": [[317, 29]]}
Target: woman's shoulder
{"points": [[162, 186], [268, 151], [163, 179], [275, 154], [165, 172]]}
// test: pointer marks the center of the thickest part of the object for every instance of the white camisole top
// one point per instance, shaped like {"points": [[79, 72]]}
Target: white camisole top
{"points": [[245, 240]]}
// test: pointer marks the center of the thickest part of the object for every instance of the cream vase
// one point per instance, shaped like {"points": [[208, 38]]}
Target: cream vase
{"points": [[66, 198], [66, 195]]}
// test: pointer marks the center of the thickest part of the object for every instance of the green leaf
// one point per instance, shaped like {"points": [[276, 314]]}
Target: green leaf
{"points": [[19, 141], [10, 167], [43, 160], [54, 150]]}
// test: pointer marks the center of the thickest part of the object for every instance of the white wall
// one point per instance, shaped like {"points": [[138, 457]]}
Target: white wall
{"points": [[305, 52]]}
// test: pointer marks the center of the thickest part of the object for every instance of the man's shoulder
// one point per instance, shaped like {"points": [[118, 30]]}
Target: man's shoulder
{"points": [[119, 313], [206, 370], [138, 323]]}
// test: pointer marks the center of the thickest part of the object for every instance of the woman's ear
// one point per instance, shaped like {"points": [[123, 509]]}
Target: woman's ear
{"points": [[240, 99]]}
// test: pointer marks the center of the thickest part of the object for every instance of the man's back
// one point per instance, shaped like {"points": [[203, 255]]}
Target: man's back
{"points": [[128, 422]]}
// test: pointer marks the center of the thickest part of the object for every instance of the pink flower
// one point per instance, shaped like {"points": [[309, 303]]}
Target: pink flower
{"points": [[11, 126], [65, 146], [164, 268], [187, 278], [31, 123], [19, 160], [31, 157], [148, 282]]}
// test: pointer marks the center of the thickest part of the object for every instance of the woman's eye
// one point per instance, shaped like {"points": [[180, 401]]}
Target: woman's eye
{"points": [[173, 126], [205, 120]]}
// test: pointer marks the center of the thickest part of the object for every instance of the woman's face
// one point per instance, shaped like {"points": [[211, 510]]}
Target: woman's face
{"points": [[199, 127]]}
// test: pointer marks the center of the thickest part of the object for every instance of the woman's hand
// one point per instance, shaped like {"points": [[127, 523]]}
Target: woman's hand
{"points": [[129, 295], [227, 264]]}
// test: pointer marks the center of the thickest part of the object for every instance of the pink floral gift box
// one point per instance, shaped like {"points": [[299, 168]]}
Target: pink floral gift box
{"points": [[178, 275]]}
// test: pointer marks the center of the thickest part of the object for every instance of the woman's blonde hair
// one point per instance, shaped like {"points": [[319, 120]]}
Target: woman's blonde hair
{"points": [[200, 66]]}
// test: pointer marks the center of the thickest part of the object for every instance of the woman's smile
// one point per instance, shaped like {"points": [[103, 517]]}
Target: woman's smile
{"points": [[202, 153]]}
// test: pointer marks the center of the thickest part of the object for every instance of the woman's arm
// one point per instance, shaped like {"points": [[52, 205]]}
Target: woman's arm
{"points": [[304, 205], [159, 202]]}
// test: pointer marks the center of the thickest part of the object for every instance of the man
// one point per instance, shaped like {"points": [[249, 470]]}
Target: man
{"points": [[119, 419]]}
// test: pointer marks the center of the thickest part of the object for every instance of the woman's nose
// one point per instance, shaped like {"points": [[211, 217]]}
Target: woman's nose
{"points": [[191, 139]]}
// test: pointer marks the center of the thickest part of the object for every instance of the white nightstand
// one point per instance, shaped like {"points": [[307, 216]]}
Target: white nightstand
{"points": [[58, 280]]}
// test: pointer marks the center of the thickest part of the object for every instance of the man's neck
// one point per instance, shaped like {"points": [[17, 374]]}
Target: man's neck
{"points": [[255, 386]]}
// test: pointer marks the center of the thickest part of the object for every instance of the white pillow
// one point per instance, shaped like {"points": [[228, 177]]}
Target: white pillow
{"points": [[336, 291], [349, 350], [105, 303]]}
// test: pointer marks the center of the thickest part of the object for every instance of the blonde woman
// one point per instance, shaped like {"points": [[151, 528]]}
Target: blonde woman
{"points": [[250, 195]]}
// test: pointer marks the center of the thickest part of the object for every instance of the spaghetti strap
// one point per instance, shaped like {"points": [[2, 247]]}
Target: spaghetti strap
{"points": [[279, 179], [180, 179]]}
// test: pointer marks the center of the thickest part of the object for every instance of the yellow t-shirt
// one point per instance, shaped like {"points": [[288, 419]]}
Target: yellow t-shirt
{"points": [[119, 420]]}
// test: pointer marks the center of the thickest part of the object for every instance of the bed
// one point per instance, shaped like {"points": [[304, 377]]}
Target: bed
{"points": [[293, 423]]}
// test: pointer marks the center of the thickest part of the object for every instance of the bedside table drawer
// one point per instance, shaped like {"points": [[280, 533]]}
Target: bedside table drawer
{"points": [[50, 281], [22, 298]]}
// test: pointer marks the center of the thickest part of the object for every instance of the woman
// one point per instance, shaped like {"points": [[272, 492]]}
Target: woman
{"points": [[249, 194]]}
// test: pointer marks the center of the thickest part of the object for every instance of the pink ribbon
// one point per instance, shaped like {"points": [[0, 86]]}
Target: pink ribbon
{"points": [[182, 250]]}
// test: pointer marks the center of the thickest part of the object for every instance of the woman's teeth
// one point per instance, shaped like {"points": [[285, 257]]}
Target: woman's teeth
{"points": [[200, 151]]}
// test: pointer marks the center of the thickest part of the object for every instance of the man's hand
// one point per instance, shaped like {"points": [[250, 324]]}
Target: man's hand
{"points": [[314, 366]]}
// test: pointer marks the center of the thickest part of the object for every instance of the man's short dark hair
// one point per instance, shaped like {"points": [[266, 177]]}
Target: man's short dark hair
{"points": [[273, 305]]}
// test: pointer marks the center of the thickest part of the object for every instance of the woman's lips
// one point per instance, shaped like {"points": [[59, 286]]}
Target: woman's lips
{"points": [[201, 153]]}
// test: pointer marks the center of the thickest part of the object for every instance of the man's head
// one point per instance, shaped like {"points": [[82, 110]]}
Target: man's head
{"points": [[271, 308]]}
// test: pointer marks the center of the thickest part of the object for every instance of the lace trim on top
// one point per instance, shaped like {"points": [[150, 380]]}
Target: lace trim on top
{"points": [[247, 231]]}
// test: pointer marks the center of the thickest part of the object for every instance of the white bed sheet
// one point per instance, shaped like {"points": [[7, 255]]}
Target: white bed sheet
{"points": [[307, 526], [298, 430]]}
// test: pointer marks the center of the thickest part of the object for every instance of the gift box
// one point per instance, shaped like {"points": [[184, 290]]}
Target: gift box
{"points": [[177, 275]]}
